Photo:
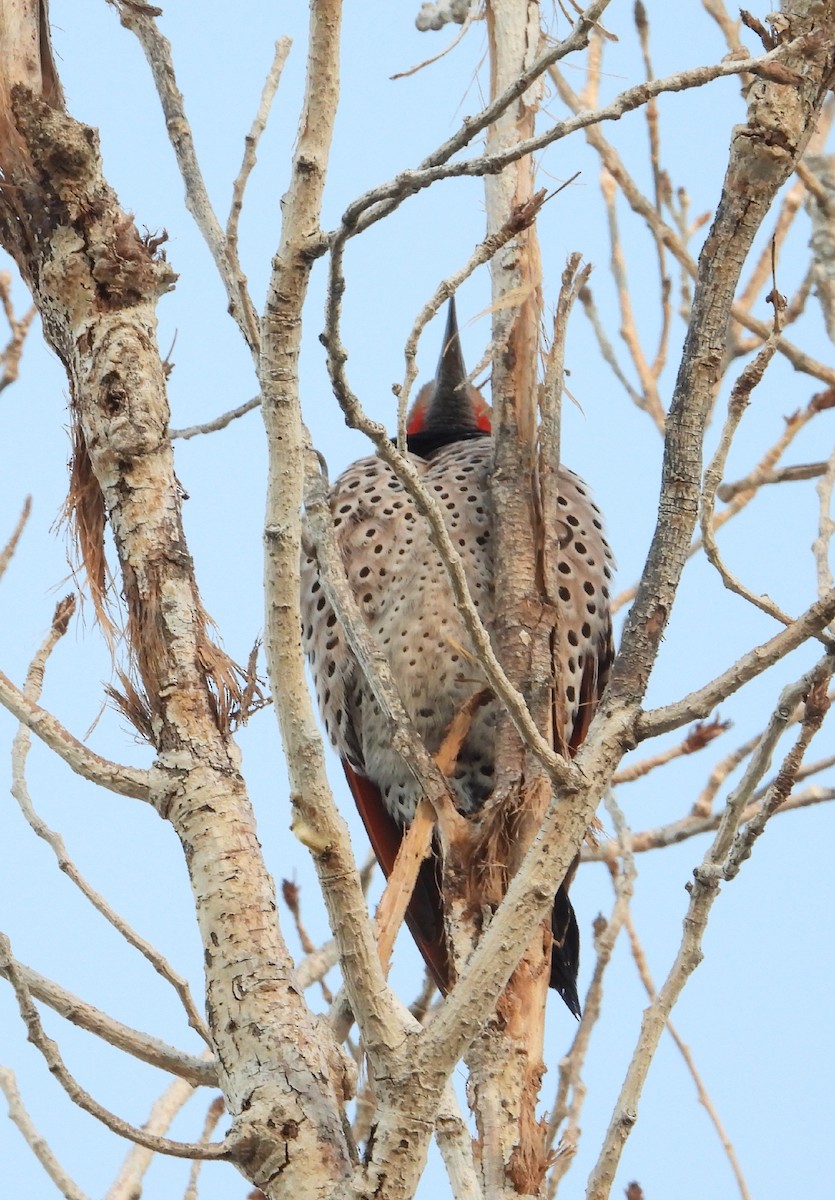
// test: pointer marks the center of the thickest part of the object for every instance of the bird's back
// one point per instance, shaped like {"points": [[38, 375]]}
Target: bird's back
{"points": [[406, 599]]}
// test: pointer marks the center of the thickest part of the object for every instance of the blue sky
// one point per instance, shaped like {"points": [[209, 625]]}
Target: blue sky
{"points": [[757, 1013]]}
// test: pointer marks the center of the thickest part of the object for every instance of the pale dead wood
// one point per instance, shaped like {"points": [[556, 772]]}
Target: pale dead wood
{"points": [[726, 247], [676, 832], [571, 1090], [382, 200], [647, 373], [703, 819], [417, 840], [739, 400], [560, 771], [795, 474], [817, 705], [506, 1059], [826, 527], [672, 239], [519, 219], [290, 894], [722, 860], [607, 349], [377, 203], [416, 844], [115, 777], [741, 493], [820, 205], [118, 387], [807, 188], [433, 1063], [546, 502], [35, 1140]]}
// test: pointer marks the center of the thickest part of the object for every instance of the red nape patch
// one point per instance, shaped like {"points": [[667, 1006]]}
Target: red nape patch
{"points": [[483, 416], [417, 417]]}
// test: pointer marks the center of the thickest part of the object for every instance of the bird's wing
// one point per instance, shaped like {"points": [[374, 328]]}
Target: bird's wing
{"points": [[596, 668], [425, 911]]}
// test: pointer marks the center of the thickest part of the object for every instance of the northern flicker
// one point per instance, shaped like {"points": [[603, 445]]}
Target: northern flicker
{"points": [[404, 594]]}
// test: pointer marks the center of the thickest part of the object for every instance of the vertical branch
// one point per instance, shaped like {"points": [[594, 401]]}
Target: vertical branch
{"points": [[96, 283], [316, 819], [506, 1061]]}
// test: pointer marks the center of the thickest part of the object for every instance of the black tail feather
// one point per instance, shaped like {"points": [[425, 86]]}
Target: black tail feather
{"points": [[565, 956]]}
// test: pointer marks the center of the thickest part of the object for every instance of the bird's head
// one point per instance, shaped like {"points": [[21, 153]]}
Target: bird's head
{"points": [[449, 409]]}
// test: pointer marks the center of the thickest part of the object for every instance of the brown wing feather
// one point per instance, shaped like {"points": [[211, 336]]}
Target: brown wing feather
{"points": [[565, 954], [425, 911]]}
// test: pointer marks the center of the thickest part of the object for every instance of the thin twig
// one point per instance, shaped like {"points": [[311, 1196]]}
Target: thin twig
{"points": [[7, 553], [795, 474], [20, 791], [701, 735], [141, 21], [605, 936], [115, 777], [739, 400], [650, 400], [213, 1115], [826, 527], [519, 220], [692, 826], [703, 892], [190, 431], [290, 894], [381, 201], [52, 1057], [442, 18], [686, 1053], [128, 1183], [259, 124], [700, 704], [10, 356], [663, 232], [606, 348], [35, 1140], [196, 1071]]}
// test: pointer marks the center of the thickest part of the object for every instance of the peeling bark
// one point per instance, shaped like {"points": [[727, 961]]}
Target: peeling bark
{"points": [[96, 283]]}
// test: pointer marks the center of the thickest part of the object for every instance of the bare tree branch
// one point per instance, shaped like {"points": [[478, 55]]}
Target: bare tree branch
{"points": [[20, 751], [115, 777], [7, 553], [141, 20], [721, 861], [52, 1057], [128, 1182], [36, 1142], [196, 1071]]}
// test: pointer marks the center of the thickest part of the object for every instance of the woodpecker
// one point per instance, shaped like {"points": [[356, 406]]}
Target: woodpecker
{"points": [[404, 594]]}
